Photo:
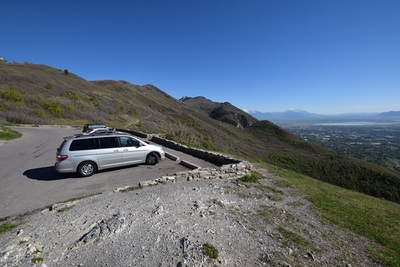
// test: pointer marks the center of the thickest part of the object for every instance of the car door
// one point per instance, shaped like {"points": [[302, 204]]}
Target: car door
{"points": [[109, 153], [133, 152]]}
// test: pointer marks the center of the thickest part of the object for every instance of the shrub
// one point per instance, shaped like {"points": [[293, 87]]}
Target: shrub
{"points": [[40, 112], [71, 107], [71, 95], [49, 85], [54, 107], [252, 178], [210, 251], [95, 100], [133, 111], [12, 95]]}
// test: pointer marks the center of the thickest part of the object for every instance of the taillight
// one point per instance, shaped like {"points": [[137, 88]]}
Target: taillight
{"points": [[61, 157]]}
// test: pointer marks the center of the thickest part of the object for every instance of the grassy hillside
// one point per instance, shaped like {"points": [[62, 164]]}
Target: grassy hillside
{"points": [[39, 94], [370, 217]]}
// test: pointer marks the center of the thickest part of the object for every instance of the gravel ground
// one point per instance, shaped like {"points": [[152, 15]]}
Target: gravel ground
{"points": [[168, 225]]}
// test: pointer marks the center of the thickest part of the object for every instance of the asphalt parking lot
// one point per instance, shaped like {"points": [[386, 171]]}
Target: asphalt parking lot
{"points": [[28, 180]]}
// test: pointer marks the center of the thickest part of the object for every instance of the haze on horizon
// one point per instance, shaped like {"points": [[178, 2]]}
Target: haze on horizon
{"points": [[324, 57]]}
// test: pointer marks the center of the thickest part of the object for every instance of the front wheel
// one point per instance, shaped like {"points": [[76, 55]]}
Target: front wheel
{"points": [[87, 168], [151, 159]]}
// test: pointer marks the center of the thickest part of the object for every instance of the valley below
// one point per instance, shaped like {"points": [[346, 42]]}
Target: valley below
{"points": [[376, 142]]}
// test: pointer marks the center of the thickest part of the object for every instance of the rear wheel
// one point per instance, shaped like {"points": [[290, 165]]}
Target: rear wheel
{"points": [[87, 168], [151, 159]]}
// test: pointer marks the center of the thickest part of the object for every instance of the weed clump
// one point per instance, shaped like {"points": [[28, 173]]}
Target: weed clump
{"points": [[5, 227], [37, 260], [210, 251], [130, 188], [251, 178]]}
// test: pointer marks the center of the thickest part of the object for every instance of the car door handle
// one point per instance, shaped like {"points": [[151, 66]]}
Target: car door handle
{"points": [[125, 150]]}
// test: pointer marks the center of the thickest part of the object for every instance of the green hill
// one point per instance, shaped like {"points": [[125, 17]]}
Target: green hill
{"points": [[39, 94]]}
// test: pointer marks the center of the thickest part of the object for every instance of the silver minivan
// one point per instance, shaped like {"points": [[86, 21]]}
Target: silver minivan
{"points": [[85, 154]]}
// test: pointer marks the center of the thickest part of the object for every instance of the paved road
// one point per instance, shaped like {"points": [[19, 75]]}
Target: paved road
{"points": [[28, 180]]}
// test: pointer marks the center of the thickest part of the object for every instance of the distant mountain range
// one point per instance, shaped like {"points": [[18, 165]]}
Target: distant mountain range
{"points": [[296, 115]]}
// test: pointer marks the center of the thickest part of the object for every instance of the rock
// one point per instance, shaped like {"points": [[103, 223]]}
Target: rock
{"points": [[104, 229]]}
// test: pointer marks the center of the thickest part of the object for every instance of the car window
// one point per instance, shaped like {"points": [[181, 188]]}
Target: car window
{"points": [[108, 142], [83, 144], [61, 145], [129, 141]]}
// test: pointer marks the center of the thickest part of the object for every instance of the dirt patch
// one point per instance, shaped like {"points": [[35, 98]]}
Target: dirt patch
{"points": [[249, 224]]}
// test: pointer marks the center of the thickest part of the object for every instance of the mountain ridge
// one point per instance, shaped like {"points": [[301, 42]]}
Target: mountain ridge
{"points": [[225, 111], [295, 115]]}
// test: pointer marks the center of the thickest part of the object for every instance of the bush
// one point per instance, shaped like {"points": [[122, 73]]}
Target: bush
{"points": [[54, 107], [71, 107], [210, 251], [133, 111], [12, 95], [252, 178], [40, 112], [49, 85], [71, 95], [95, 100]]}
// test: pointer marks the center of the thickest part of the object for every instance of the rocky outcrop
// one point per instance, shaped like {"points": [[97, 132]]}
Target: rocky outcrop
{"points": [[104, 229]]}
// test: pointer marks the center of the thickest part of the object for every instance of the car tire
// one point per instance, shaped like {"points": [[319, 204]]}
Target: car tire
{"points": [[151, 159], [87, 168]]}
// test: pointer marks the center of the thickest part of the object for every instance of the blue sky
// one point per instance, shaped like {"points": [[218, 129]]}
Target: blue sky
{"points": [[321, 56]]}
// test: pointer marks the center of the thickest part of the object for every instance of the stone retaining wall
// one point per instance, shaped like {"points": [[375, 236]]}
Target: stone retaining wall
{"points": [[214, 158], [229, 168]]}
